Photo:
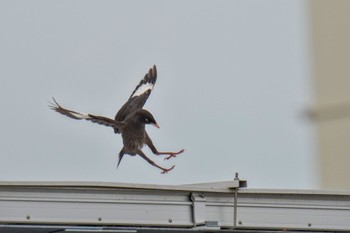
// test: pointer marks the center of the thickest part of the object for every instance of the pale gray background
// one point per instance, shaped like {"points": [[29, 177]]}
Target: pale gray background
{"points": [[234, 77]]}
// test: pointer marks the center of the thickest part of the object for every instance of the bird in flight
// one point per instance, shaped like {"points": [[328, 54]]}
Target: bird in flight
{"points": [[130, 121]]}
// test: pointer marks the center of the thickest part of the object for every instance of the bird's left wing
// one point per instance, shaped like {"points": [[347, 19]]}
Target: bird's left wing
{"points": [[89, 117], [139, 96]]}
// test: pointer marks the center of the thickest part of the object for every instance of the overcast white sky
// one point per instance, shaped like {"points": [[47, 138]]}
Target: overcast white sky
{"points": [[233, 78]]}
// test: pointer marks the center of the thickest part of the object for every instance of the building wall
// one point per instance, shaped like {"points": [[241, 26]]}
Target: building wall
{"points": [[330, 23]]}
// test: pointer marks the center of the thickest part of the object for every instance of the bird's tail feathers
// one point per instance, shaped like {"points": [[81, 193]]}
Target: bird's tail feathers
{"points": [[120, 157]]}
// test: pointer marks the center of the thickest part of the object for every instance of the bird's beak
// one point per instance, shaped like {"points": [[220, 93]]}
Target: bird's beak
{"points": [[155, 125]]}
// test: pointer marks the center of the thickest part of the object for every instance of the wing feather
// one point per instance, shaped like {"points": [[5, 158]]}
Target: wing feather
{"points": [[146, 84], [89, 117], [139, 96]]}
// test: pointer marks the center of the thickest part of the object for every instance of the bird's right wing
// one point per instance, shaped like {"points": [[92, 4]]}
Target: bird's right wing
{"points": [[89, 117]]}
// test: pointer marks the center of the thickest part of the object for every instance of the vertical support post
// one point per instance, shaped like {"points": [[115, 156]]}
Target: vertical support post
{"points": [[235, 208], [199, 209], [235, 200]]}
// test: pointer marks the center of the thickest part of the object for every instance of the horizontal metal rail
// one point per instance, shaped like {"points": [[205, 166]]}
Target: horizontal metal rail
{"points": [[188, 207]]}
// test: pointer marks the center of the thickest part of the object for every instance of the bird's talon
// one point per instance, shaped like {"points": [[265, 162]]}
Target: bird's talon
{"points": [[167, 170], [169, 157], [173, 154]]}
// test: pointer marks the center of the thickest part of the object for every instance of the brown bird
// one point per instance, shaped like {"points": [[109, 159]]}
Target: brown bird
{"points": [[130, 121]]}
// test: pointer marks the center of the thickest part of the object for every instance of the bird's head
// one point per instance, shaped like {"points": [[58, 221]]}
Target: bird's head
{"points": [[146, 117]]}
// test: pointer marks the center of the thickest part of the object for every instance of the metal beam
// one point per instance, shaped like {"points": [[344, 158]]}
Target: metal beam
{"points": [[294, 209], [207, 206]]}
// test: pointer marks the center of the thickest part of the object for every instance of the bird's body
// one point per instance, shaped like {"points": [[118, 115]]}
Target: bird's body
{"points": [[133, 135], [130, 121], [134, 141]]}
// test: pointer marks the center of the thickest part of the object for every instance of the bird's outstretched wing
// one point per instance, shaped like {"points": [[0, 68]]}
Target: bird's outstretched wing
{"points": [[139, 96], [89, 117]]}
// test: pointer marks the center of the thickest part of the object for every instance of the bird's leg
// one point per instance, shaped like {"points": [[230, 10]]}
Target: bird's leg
{"points": [[149, 143], [164, 170]]}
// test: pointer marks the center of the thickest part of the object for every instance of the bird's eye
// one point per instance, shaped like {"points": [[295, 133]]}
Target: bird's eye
{"points": [[146, 120]]}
